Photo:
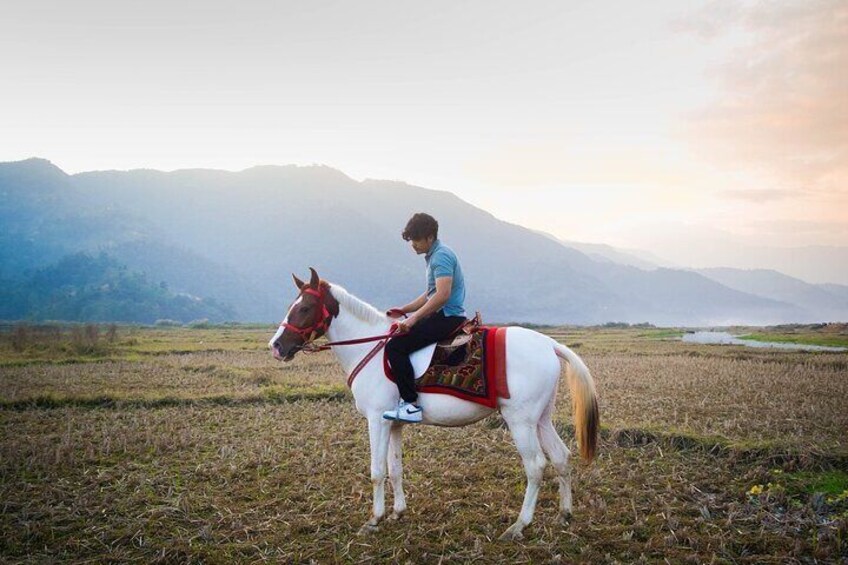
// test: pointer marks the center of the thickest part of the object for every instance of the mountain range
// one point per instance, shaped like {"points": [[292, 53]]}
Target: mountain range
{"points": [[232, 239]]}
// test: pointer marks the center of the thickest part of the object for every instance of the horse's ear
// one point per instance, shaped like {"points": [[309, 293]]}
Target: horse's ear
{"points": [[315, 280], [297, 282]]}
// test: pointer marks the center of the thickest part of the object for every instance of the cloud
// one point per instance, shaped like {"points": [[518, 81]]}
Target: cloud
{"points": [[541, 164], [782, 110], [810, 230], [710, 20], [758, 195]]}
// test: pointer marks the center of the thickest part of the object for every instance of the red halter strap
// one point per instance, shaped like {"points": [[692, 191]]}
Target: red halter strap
{"points": [[311, 333]]}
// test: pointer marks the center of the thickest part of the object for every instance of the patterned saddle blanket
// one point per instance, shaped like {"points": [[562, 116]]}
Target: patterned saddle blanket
{"points": [[473, 369]]}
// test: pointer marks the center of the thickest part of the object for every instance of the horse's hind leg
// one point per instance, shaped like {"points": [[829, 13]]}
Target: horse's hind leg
{"points": [[527, 441], [558, 453]]}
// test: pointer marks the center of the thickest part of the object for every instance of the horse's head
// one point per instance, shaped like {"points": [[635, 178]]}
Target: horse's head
{"points": [[308, 318]]}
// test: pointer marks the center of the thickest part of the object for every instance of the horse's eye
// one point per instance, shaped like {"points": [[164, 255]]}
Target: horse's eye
{"points": [[304, 308]]}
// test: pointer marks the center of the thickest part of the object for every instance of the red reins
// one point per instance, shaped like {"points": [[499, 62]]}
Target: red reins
{"points": [[309, 334], [370, 355], [316, 348]]}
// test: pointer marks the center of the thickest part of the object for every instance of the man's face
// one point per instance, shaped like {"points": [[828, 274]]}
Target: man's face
{"points": [[423, 245]]}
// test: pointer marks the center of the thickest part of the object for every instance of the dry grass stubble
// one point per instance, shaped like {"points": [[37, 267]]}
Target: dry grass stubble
{"points": [[789, 400], [273, 481], [107, 472]]}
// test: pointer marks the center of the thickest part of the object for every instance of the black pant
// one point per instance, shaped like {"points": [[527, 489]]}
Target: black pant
{"points": [[429, 330]]}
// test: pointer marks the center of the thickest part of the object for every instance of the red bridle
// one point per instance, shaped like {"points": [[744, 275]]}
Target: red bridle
{"points": [[320, 327]]}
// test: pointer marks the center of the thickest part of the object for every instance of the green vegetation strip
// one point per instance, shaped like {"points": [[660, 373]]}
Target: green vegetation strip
{"points": [[271, 395], [662, 334], [772, 453], [128, 356], [775, 454], [818, 339], [33, 361], [744, 452]]}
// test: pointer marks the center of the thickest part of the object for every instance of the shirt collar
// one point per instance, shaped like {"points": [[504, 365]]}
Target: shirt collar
{"points": [[436, 244]]}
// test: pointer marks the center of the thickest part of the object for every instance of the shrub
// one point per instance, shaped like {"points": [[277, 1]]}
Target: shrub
{"points": [[85, 339], [21, 337], [92, 334]]}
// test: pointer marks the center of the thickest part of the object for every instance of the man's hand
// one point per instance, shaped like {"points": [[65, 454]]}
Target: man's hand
{"points": [[404, 326], [395, 313]]}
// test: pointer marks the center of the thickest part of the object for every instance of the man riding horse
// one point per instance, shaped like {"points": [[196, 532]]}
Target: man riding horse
{"points": [[531, 380], [434, 315]]}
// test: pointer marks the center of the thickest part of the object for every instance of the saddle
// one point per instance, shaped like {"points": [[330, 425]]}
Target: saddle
{"points": [[469, 364], [453, 350]]}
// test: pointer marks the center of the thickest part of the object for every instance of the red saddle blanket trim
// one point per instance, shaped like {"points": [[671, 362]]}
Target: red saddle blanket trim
{"points": [[498, 363], [494, 365]]}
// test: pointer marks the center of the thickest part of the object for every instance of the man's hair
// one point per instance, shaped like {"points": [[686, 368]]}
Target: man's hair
{"points": [[421, 226]]}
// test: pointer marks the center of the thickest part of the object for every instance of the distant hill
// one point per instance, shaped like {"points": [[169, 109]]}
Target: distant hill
{"points": [[235, 237], [85, 288], [819, 302], [716, 248], [609, 254], [838, 290]]}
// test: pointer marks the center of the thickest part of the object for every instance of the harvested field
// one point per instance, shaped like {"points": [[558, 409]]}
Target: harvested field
{"points": [[195, 445]]}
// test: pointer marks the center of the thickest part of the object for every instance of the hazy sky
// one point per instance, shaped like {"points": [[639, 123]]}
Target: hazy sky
{"points": [[596, 121]]}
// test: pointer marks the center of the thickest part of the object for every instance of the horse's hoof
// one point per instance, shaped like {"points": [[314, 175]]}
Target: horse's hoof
{"points": [[565, 518], [368, 529], [512, 533], [396, 515]]}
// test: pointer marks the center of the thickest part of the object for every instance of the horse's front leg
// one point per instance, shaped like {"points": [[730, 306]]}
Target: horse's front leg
{"points": [[378, 435], [396, 470]]}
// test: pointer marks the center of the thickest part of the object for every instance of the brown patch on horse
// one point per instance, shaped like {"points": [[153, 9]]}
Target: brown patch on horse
{"points": [[317, 283], [322, 286], [329, 299]]}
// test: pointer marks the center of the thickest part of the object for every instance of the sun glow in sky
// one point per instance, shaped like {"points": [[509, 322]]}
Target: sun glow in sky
{"points": [[594, 121]]}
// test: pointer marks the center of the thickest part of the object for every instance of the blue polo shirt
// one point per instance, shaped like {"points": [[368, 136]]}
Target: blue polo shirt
{"points": [[442, 262]]}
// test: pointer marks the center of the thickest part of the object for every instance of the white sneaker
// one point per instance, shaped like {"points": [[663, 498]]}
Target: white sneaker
{"points": [[405, 412]]}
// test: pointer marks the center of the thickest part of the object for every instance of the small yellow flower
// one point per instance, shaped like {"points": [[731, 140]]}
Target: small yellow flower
{"points": [[755, 490]]}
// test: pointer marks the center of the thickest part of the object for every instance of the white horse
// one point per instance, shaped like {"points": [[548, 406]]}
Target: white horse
{"points": [[532, 372]]}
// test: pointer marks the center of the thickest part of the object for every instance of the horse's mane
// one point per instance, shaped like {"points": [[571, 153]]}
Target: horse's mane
{"points": [[356, 306]]}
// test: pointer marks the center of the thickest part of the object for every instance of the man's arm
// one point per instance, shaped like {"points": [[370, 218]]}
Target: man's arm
{"points": [[439, 299], [414, 305]]}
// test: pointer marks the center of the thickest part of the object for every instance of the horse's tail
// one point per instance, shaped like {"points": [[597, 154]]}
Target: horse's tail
{"points": [[584, 401]]}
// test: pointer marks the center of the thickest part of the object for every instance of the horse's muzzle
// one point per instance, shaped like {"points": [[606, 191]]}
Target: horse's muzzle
{"points": [[276, 351]]}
